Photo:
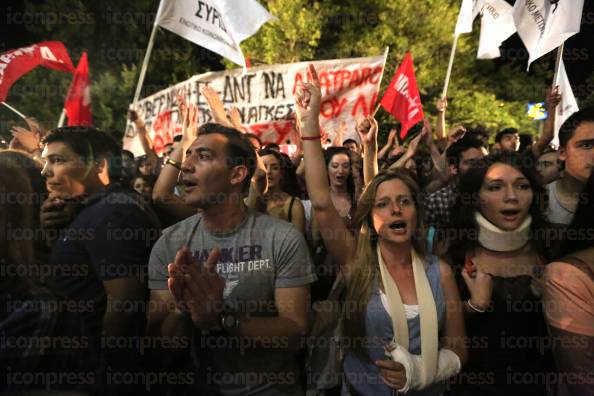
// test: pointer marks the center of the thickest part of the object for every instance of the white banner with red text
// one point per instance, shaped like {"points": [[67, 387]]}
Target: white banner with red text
{"points": [[264, 98]]}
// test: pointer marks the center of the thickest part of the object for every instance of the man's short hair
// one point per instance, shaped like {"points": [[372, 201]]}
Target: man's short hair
{"points": [[128, 154], [350, 141], [573, 122], [506, 131], [90, 144], [240, 150], [454, 152]]}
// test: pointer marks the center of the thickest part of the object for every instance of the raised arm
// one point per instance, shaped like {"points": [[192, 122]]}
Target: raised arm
{"points": [[553, 98], [367, 130], [163, 191], [145, 140], [440, 126], [258, 184], [217, 109], [410, 151], [391, 141], [338, 240]]}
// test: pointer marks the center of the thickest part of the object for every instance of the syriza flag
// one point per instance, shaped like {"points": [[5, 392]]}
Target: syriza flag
{"points": [[16, 63], [568, 104], [469, 9], [78, 101], [544, 25], [497, 24], [218, 25], [402, 98]]}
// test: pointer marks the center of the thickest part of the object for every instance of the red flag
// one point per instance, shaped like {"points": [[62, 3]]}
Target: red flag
{"points": [[78, 101], [16, 63], [402, 98]]}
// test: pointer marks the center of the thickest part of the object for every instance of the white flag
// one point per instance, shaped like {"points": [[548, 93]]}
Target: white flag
{"points": [[497, 24], [543, 24], [568, 104], [218, 25], [468, 11]]}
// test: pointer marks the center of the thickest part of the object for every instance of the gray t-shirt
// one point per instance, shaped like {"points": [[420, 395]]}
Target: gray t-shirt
{"points": [[261, 254]]}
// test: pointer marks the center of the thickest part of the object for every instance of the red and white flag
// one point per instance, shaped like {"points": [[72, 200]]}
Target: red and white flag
{"points": [[16, 63], [78, 101], [402, 98]]}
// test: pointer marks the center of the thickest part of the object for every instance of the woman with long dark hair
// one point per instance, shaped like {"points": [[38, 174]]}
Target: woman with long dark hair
{"points": [[281, 199], [497, 243]]}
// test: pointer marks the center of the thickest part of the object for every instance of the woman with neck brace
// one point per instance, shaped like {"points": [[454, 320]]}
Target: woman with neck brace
{"points": [[403, 328], [497, 242]]}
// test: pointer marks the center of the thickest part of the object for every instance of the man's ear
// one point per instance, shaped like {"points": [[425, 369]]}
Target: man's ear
{"points": [[238, 174], [453, 169], [562, 154], [102, 170], [497, 146]]}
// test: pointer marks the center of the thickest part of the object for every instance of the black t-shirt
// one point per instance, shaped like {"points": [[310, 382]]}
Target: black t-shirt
{"points": [[111, 237], [43, 343]]}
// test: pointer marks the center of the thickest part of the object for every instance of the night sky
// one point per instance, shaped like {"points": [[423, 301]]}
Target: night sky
{"points": [[578, 55]]}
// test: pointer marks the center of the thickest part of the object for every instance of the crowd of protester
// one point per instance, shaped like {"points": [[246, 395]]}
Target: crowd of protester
{"points": [[444, 264]]}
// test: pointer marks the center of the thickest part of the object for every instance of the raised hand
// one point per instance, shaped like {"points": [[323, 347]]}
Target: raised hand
{"points": [[235, 119], [428, 131], [455, 134], [216, 106], [135, 116], [28, 139], [552, 99], [308, 96], [367, 130], [414, 143], [442, 105], [392, 137]]}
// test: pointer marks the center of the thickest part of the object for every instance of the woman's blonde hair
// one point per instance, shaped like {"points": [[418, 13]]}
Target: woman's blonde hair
{"points": [[363, 273]]}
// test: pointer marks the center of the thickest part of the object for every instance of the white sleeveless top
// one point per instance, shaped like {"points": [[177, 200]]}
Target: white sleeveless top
{"points": [[557, 213]]}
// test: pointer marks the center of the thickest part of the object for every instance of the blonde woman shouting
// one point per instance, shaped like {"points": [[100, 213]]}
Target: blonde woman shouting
{"points": [[403, 319]]}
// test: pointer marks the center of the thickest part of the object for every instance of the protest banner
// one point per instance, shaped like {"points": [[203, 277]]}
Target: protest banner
{"points": [[264, 98]]}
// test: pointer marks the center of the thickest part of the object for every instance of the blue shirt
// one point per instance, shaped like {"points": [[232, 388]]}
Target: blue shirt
{"points": [[359, 368]]}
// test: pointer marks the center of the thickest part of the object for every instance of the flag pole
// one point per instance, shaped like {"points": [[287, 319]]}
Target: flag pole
{"points": [[62, 118], [14, 110], [379, 85], [147, 56], [450, 64], [558, 63]]}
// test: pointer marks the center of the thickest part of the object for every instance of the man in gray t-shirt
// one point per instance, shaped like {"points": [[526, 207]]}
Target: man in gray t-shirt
{"points": [[243, 278]]}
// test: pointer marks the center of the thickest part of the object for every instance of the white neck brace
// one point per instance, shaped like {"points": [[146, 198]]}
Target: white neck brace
{"points": [[498, 240]]}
